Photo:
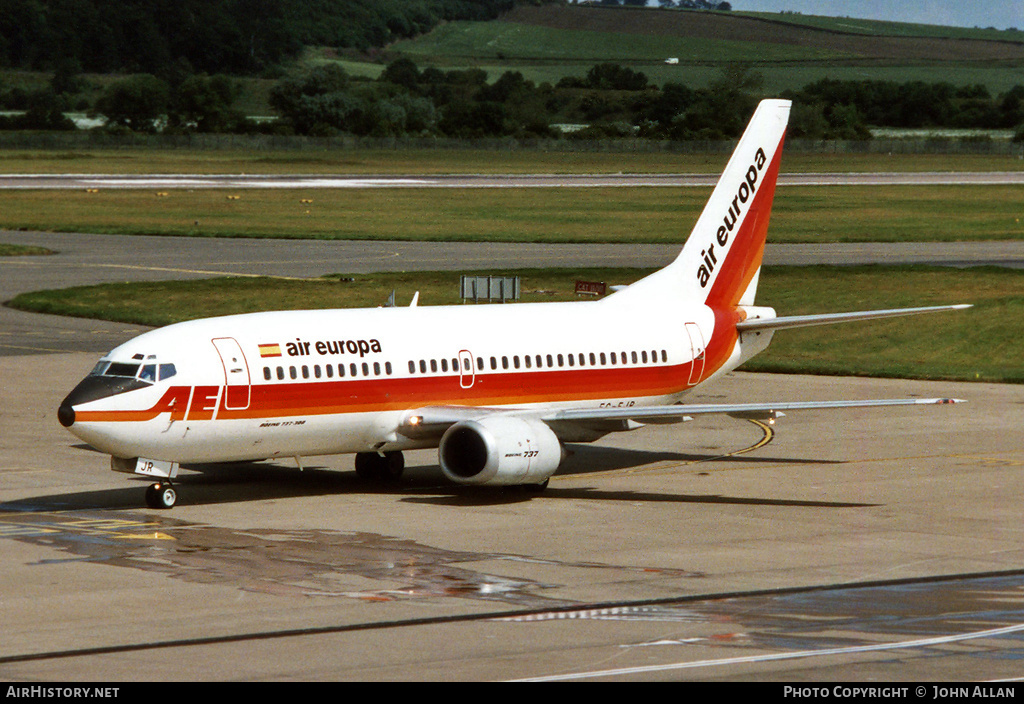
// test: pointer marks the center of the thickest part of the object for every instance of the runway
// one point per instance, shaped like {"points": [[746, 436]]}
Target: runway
{"points": [[851, 546], [136, 181]]}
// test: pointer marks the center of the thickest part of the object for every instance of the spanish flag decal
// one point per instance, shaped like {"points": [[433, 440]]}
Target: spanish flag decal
{"points": [[270, 350]]}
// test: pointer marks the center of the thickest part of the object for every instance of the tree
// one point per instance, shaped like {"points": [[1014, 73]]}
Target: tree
{"points": [[206, 103], [136, 103]]}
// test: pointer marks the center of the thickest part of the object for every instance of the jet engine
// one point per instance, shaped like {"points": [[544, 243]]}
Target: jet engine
{"points": [[501, 450]]}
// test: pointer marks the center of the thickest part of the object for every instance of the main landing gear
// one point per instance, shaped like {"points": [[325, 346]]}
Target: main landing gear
{"points": [[386, 468], [161, 495]]}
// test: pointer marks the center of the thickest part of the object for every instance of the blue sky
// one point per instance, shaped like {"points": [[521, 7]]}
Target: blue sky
{"points": [[1001, 14]]}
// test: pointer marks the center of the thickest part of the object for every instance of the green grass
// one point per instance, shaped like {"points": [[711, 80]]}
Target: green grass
{"points": [[17, 250], [458, 161], [984, 343], [881, 28], [456, 42], [628, 215], [548, 43]]}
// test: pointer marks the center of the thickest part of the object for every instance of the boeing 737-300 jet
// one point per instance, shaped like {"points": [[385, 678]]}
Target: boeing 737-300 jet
{"points": [[498, 389]]}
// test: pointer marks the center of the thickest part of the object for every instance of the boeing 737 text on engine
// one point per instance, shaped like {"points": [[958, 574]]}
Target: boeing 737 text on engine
{"points": [[498, 389]]}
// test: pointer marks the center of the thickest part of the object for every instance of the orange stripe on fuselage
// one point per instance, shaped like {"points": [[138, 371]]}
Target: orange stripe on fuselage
{"points": [[520, 388]]}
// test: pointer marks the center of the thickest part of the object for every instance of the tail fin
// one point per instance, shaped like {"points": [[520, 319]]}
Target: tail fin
{"points": [[721, 260]]}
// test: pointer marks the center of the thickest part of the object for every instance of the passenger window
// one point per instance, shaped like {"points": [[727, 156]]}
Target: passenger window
{"points": [[664, 356], [316, 370], [412, 367], [305, 372], [444, 365], [634, 357], [376, 368], [433, 366], [266, 373], [494, 363], [387, 368], [572, 360], [643, 356], [353, 370], [293, 373], [515, 361], [423, 366], [330, 371], [604, 360], [280, 373], [550, 361], [527, 360], [479, 364], [561, 361]]}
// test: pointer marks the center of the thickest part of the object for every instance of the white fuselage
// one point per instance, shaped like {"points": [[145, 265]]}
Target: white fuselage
{"points": [[319, 382]]}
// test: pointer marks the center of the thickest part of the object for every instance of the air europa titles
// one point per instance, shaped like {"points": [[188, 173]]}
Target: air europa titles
{"points": [[743, 194], [301, 348]]}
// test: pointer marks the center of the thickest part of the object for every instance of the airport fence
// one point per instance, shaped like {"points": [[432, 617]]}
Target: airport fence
{"points": [[99, 139]]}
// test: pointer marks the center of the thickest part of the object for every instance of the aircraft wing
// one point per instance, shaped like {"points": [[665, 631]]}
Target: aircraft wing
{"points": [[433, 421], [800, 321], [765, 411]]}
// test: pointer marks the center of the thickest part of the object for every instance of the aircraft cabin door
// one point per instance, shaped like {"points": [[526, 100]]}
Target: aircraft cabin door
{"points": [[236, 373], [698, 349], [467, 373]]}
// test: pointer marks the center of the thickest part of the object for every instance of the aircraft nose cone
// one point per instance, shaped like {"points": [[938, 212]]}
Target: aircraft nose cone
{"points": [[66, 414]]}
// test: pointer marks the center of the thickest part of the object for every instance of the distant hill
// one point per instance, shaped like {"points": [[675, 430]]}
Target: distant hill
{"points": [[549, 42], [862, 41]]}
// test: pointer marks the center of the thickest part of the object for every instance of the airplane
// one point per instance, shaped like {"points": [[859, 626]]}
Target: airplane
{"points": [[497, 389]]}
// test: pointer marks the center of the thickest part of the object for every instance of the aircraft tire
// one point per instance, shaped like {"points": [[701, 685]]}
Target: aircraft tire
{"points": [[161, 495]]}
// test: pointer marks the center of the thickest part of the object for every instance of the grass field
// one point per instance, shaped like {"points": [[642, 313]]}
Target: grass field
{"points": [[463, 161], [550, 42], [15, 250], [643, 214], [984, 343]]}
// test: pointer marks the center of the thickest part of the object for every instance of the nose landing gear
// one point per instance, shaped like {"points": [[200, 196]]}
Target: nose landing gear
{"points": [[161, 495]]}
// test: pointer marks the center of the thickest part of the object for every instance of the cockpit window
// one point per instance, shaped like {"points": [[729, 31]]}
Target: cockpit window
{"points": [[122, 369], [150, 372]]}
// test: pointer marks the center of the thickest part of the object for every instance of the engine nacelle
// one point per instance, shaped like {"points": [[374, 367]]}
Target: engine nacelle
{"points": [[500, 450]]}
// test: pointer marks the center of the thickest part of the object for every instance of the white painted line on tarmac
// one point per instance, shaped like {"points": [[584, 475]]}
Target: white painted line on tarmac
{"points": [[795, 655]]}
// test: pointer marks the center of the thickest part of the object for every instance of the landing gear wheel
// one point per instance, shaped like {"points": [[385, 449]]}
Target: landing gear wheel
{"points": [[161, 495], [373, 467]]}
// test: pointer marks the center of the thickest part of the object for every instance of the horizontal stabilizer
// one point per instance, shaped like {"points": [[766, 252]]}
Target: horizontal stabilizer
{"points": [[800, 321]]}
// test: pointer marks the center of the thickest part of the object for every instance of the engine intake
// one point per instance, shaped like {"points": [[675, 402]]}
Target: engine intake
{"points": [[500, 450]]}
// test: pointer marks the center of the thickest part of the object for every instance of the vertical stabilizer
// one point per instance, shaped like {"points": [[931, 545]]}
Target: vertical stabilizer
{"points": [[720, 262]]}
